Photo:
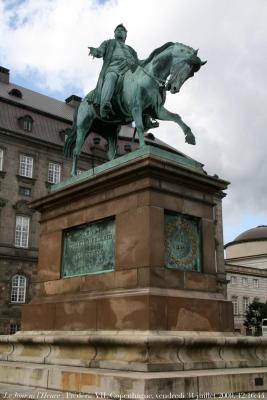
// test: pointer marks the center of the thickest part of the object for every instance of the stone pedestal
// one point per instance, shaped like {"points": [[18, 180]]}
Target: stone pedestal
{"points": [[130, 294], [163, 273]]}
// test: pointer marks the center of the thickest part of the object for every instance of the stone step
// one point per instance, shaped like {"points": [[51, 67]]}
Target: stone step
{"points": [[86, 383]]}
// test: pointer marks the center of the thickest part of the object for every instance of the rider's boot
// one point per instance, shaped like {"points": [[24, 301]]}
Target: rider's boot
{"points": [[149, 123], [152, 124], [106, 95]]}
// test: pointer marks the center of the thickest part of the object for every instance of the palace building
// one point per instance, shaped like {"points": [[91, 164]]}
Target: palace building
{"points": [[246, 267]]}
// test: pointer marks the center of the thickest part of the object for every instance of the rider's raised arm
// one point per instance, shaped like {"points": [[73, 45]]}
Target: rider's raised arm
{"points": [[98, 52]]}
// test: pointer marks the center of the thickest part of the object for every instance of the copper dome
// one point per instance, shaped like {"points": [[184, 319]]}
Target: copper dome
{"points": [[258, 233]]}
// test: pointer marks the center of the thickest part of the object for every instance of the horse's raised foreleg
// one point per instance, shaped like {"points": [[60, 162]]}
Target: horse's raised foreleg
{"points": [[138, 119], [166, 115]]}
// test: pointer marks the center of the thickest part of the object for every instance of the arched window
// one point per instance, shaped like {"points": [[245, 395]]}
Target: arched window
{"points": [[16, 93], [18, 289]]}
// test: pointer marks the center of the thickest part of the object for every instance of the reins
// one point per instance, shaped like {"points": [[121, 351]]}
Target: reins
{"points": [[161, 82]]}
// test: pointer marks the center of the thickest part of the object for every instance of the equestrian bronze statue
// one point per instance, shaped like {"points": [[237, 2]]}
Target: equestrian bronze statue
{"points": [[131, 90]]}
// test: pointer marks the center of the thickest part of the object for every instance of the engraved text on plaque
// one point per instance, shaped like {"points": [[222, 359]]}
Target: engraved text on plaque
{"points": [[89, 249]]}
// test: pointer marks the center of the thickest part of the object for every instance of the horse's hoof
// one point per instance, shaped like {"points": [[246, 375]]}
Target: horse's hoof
{"points": [[111, 156], [190, 139]]}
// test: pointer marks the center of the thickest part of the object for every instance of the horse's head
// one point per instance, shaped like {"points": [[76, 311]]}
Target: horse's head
{"points": [[184, 64]]}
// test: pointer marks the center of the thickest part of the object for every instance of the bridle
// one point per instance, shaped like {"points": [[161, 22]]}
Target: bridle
{"points": [[160, 82], [170, 79]]}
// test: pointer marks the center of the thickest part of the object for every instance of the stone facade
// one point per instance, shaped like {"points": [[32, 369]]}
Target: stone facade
{"points": [[42, 143], [245, 285]]}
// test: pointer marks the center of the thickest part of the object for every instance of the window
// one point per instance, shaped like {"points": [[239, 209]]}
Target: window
{"points": [[25, 166], [235, 304], [1, 159], [63, 133], [26, 123], [16, 93], [18, 289], [255, 283], [245, 281], [25, 191], [233, 280], [54, 171], [14, 328], [22, 231], [245, 304]]}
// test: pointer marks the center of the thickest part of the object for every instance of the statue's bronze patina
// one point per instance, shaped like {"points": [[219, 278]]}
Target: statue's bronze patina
{"points": [[118, 58], [131, 90]]}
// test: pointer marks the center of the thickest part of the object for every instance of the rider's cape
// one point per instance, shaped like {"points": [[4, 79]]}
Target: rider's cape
{"points": [[108, 47]]}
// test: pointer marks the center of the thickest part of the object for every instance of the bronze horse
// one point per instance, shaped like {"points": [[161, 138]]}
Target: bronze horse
{"points": [[139, 96]]}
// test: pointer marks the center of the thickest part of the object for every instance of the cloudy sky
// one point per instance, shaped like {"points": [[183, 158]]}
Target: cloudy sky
{"points": [[44, 44]]}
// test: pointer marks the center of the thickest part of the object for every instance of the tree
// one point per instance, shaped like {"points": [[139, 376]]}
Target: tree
{"points": [[255, 313]]}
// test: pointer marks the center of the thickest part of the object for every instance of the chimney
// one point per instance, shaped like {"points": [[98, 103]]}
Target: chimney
{"points": [[4, 75], [73, 101]]}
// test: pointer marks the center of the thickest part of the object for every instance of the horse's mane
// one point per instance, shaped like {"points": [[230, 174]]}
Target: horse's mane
{"points": [[156, 52]]}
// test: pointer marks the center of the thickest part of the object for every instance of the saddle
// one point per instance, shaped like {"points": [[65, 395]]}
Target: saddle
{"points": [[120, 115]]}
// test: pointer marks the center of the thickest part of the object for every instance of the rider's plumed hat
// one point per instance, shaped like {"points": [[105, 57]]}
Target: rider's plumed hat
{"points": [[120, 26]]}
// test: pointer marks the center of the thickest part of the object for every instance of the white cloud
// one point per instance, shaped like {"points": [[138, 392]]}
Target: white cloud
{"points": [[225, 103]]}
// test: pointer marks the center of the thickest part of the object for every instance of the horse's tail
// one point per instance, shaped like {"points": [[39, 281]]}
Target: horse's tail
{"points": [[71, 138]]}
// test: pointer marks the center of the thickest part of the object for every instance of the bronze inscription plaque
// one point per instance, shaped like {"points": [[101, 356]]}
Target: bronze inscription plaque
{"points": [[89, 249], [182, 242]]}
